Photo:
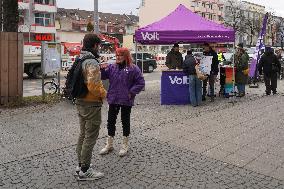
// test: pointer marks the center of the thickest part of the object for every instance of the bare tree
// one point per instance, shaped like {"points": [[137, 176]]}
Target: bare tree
{"points": [[234, 15], [281, 36], [279, 29], [271, 21], [253, 28]]}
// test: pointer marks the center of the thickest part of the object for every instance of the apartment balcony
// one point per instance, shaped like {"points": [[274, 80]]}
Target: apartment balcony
{"points": [[44, 8], [200, 9], [197, 9], [220, 13], [220, 2], [216, 1], [23, 4], [22, 28], [43, 29], [209, 10]]}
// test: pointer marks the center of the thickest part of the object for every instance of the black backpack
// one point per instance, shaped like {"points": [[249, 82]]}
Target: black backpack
{"points": [[75, 86]]}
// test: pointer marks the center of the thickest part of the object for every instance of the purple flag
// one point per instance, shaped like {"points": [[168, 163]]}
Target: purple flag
{"points": [[259, 45]]}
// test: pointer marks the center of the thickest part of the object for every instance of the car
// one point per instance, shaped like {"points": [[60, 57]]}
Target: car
{"points": [[149, 62]]}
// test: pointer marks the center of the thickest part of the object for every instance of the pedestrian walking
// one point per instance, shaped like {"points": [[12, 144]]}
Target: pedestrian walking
{"points": [[208, 51], [125, 82], [174, 58], [89, 108], [269, 65], [241, 64], [195, 84]]}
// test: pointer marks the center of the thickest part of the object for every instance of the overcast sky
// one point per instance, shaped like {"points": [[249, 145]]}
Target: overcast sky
{"points": [[128, 6], [106, 6]]}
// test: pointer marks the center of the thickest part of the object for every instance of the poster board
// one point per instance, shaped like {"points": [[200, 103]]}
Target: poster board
{"points": [[205, 64], [51, 57]]}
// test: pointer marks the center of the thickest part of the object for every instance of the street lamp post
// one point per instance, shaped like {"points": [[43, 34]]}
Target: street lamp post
{"points": [[96, 17], [30, 20]]}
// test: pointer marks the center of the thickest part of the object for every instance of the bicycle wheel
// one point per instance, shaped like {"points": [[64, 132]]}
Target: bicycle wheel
{"points": [[50, 88]]}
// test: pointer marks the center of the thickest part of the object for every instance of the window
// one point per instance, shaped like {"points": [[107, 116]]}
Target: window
{"points": [[43, 19], [203, 15], [210, 17], [203, 4]]}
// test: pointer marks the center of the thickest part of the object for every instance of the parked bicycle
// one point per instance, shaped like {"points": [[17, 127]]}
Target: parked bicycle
{"points": [[51, 87]]}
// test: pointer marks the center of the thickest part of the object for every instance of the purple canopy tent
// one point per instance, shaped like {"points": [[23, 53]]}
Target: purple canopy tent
{"points": [[183, 26]]}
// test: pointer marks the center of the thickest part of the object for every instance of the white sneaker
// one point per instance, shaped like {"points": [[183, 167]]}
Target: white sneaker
{"points": [[124, 149], [109, 146], [78, 169], [90, 174]]}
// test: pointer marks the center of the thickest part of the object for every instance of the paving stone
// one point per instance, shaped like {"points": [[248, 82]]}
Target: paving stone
{"points": [[174, 147]]}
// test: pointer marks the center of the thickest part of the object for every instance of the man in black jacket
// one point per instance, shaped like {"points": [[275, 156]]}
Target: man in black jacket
{"points": [[208, 51], [195, 84], [270, 66]]}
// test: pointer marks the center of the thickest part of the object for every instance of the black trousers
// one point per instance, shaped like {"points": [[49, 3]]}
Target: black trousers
{"points": [[211, 79], [270, 81], [125, 119]]}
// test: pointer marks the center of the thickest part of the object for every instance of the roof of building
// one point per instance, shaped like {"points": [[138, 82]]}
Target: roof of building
{"points": [[81, 15]]}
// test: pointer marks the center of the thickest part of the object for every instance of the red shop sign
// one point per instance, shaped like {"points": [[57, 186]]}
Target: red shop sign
{"points": [[43, 37]]}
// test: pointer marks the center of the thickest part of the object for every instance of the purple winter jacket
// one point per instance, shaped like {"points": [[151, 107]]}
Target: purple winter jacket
{"points": [[123, 82]]}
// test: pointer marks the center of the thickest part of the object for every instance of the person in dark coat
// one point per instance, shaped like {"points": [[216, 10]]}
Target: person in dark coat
{"points": [[208, 51], [174, 58], [195, 84], [125, 82], [241, 64], [269, 65]]}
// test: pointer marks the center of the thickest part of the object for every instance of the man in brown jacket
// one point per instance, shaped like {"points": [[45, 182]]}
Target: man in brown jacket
{"points": [[174, 58], [89, 108]]}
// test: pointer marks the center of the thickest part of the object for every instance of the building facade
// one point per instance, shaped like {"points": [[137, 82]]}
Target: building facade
{"points": [[37, 20], [72, 25], [151, 11], [249, 18]]}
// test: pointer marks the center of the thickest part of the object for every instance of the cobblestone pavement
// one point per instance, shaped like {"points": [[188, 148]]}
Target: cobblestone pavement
{"points": [[150, 164], [217, 145]]}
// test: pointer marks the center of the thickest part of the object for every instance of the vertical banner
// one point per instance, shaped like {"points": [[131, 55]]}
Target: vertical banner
{"points": [[259, 45]]}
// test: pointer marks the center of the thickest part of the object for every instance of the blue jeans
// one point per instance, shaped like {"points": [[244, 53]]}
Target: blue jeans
{"points": [[241, 88], [195, 90]]}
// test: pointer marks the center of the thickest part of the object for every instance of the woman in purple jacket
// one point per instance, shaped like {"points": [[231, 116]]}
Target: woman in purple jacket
{"points": [[125, 82]]}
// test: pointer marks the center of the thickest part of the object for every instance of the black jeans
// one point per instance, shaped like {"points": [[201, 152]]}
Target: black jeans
{"points": [[125, 119], [270, 82], [211, 79]]}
